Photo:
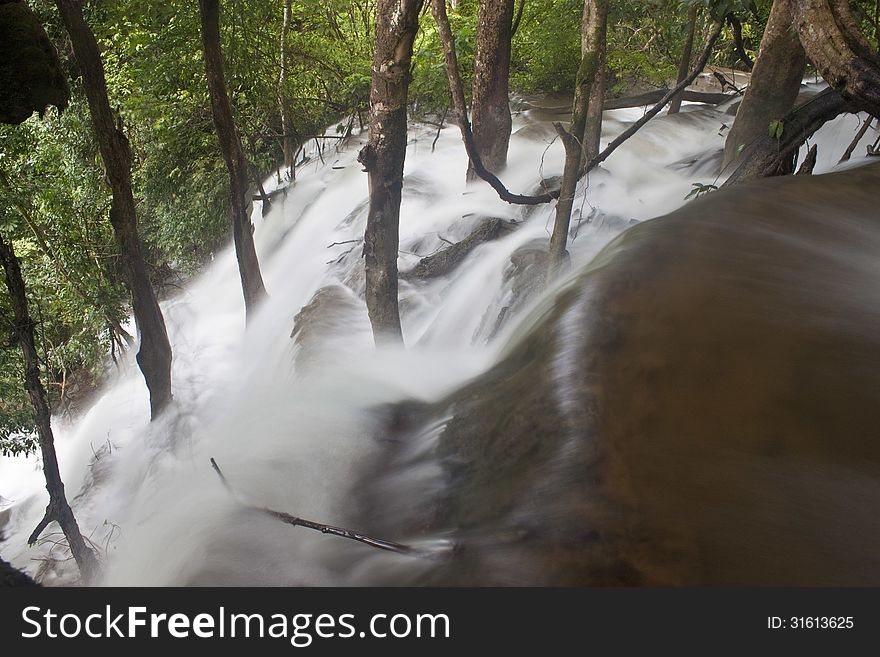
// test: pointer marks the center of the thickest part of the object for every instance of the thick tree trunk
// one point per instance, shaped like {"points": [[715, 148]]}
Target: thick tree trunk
{"points": [[768, 156], [687, 54], [593, 33], [287, 143], [230, 144], [832, 40], [58, 509], [776, 80], [154, 356], [383, 157], [595, 40], [491, 102]]}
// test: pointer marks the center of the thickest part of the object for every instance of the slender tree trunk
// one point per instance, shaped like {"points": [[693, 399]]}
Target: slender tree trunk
{"points": [[558, 255], [776, 81], [581, 141], [687, 54], [287, 142], [58, 509], [230, 144], [154, 356], [383, 157], [491, 99], [595, 39]]}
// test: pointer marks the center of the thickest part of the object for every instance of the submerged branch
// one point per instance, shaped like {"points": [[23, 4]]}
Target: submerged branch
{"points": [[289, 519]]}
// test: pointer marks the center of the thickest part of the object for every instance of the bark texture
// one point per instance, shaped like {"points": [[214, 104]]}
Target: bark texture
{"points": [[842, 55], [491, 104], [585, 121], [58, 509], [559, 238], [776, 80], [383, 158], [154, 356], [233, 154], [767, 156], [687, 54]]}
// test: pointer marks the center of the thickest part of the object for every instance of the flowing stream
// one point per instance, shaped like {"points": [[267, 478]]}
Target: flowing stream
{"points": [[293, 421]]}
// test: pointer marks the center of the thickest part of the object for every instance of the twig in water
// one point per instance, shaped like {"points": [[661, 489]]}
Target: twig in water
{"points": [[286, 518], [345, 242]]}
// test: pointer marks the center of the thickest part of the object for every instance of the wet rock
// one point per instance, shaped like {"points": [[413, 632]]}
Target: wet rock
{"points": [[332, 311], [698, 407], [443, 262]]}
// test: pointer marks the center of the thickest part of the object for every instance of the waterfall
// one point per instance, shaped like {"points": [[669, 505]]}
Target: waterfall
{"points": [[292, 420]]}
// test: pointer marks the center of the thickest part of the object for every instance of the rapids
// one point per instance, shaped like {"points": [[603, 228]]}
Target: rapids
{"points": [[324, 427]]}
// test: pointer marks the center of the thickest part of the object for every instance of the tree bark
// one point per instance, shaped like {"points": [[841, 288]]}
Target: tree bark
{"points": [[288, 144], [456, 89], [767, 156], [776, 80], [687, 54], [597, 40], [230, 144], [154, 356], [593, 34], [491, 101], [58, 509], [559, 238], [383, 158], [831, 38]]}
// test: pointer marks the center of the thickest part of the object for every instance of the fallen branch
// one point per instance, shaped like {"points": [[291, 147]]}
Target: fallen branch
{"points": [[456, 88], [650, 97], [855, 142], [289, 519]]}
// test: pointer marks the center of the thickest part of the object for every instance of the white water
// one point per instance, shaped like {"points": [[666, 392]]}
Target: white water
{"points": [[291, 433]]}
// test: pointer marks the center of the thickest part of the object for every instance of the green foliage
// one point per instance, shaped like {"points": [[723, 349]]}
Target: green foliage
{"points": [[699, 189], [776, 129]]}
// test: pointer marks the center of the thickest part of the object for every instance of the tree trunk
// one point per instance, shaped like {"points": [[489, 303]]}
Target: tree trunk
{"points": [[595, 40], [154, 356], [593, 33], [559, 238], [383, 158], [768, 156], [491, 101], [776, 80], [684, 66], [831, 38], [58, 509], [230, 144], [287, 142], [456, 90]]}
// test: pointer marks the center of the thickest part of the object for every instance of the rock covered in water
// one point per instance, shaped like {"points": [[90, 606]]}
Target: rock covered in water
{"points": [[699, 407]]}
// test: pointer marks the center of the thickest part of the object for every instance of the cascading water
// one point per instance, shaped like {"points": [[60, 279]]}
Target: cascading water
{"points": [[293, 421]]}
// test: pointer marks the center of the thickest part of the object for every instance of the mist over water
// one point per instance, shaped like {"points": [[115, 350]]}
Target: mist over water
{"points": [[292, 421]]}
